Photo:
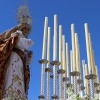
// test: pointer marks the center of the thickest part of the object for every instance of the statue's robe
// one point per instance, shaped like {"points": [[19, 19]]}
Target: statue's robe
{"points": [[6, 48]]}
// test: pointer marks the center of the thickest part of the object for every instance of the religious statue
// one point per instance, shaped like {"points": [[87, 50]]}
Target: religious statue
{"points": [[15, 58]]}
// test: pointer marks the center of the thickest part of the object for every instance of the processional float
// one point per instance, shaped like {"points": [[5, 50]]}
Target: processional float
{"points": [[64, 73]]}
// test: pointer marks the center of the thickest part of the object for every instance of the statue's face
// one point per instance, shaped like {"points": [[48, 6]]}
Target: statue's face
{"points": [[25, 31]]}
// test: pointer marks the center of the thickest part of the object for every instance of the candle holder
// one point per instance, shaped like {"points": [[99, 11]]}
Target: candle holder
{"points": [[91, 78], [64, 81], [98, 91], [82, 87], [75, 74], [68, 85], [79, 82], [55, 64], [43, 62], [48, 70], [60, 72]]}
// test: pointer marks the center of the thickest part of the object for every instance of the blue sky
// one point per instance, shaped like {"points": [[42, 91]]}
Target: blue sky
{"points": [[68, 11]]}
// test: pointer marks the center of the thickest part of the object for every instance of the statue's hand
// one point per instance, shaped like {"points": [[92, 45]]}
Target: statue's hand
{"points": [[14, 34]]}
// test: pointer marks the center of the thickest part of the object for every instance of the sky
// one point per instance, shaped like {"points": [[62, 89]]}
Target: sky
{"points": [[68, 12]]}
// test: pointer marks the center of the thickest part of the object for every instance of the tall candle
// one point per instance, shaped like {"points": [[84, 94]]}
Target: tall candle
{"points": [[76, 52], [45, 38], [83, 67], [87, 47], [93, 61], [97, 79], [48, 48], [71, 64], [91, 55], [60, 45], [55, 38], [67, 61], [73, 46], [84, 73], [79, 62], [63, 49]]}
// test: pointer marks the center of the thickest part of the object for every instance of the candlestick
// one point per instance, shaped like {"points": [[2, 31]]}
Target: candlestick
{"points": [[55, 63], [73, 47], [87, 47], [48, 69], [43, 61], [45, 38], [60, 60]]}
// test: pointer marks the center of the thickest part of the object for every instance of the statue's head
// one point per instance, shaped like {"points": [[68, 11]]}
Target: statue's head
{"points": [[25, 28]]}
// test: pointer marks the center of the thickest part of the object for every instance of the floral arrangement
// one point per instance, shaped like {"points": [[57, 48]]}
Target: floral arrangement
{"points": [[11, 98], [72, 96]]}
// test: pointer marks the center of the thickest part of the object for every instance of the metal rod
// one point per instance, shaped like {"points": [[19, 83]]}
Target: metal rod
{"points": [[64, 90], [54, 80], [42, 80], [48, 86], [91, 89], [78, 88], [60, 86], [75, 84]]}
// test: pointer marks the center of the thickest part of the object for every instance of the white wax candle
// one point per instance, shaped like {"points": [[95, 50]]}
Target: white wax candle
{"points": [[60, 45], [83, 67], [84, 73], [93, 63], [63, 49], [79, 62], [67, 61], [87, 47], [73, 46], [97, 79], [48, 47], [55, 38], [91, 55], [45, 38], [76, 52]]}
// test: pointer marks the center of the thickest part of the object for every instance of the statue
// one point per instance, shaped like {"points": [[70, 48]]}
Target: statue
{"points": [[15, 58]]}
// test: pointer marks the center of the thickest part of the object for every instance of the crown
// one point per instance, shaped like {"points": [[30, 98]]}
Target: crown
{"points": [[23, 15]]}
